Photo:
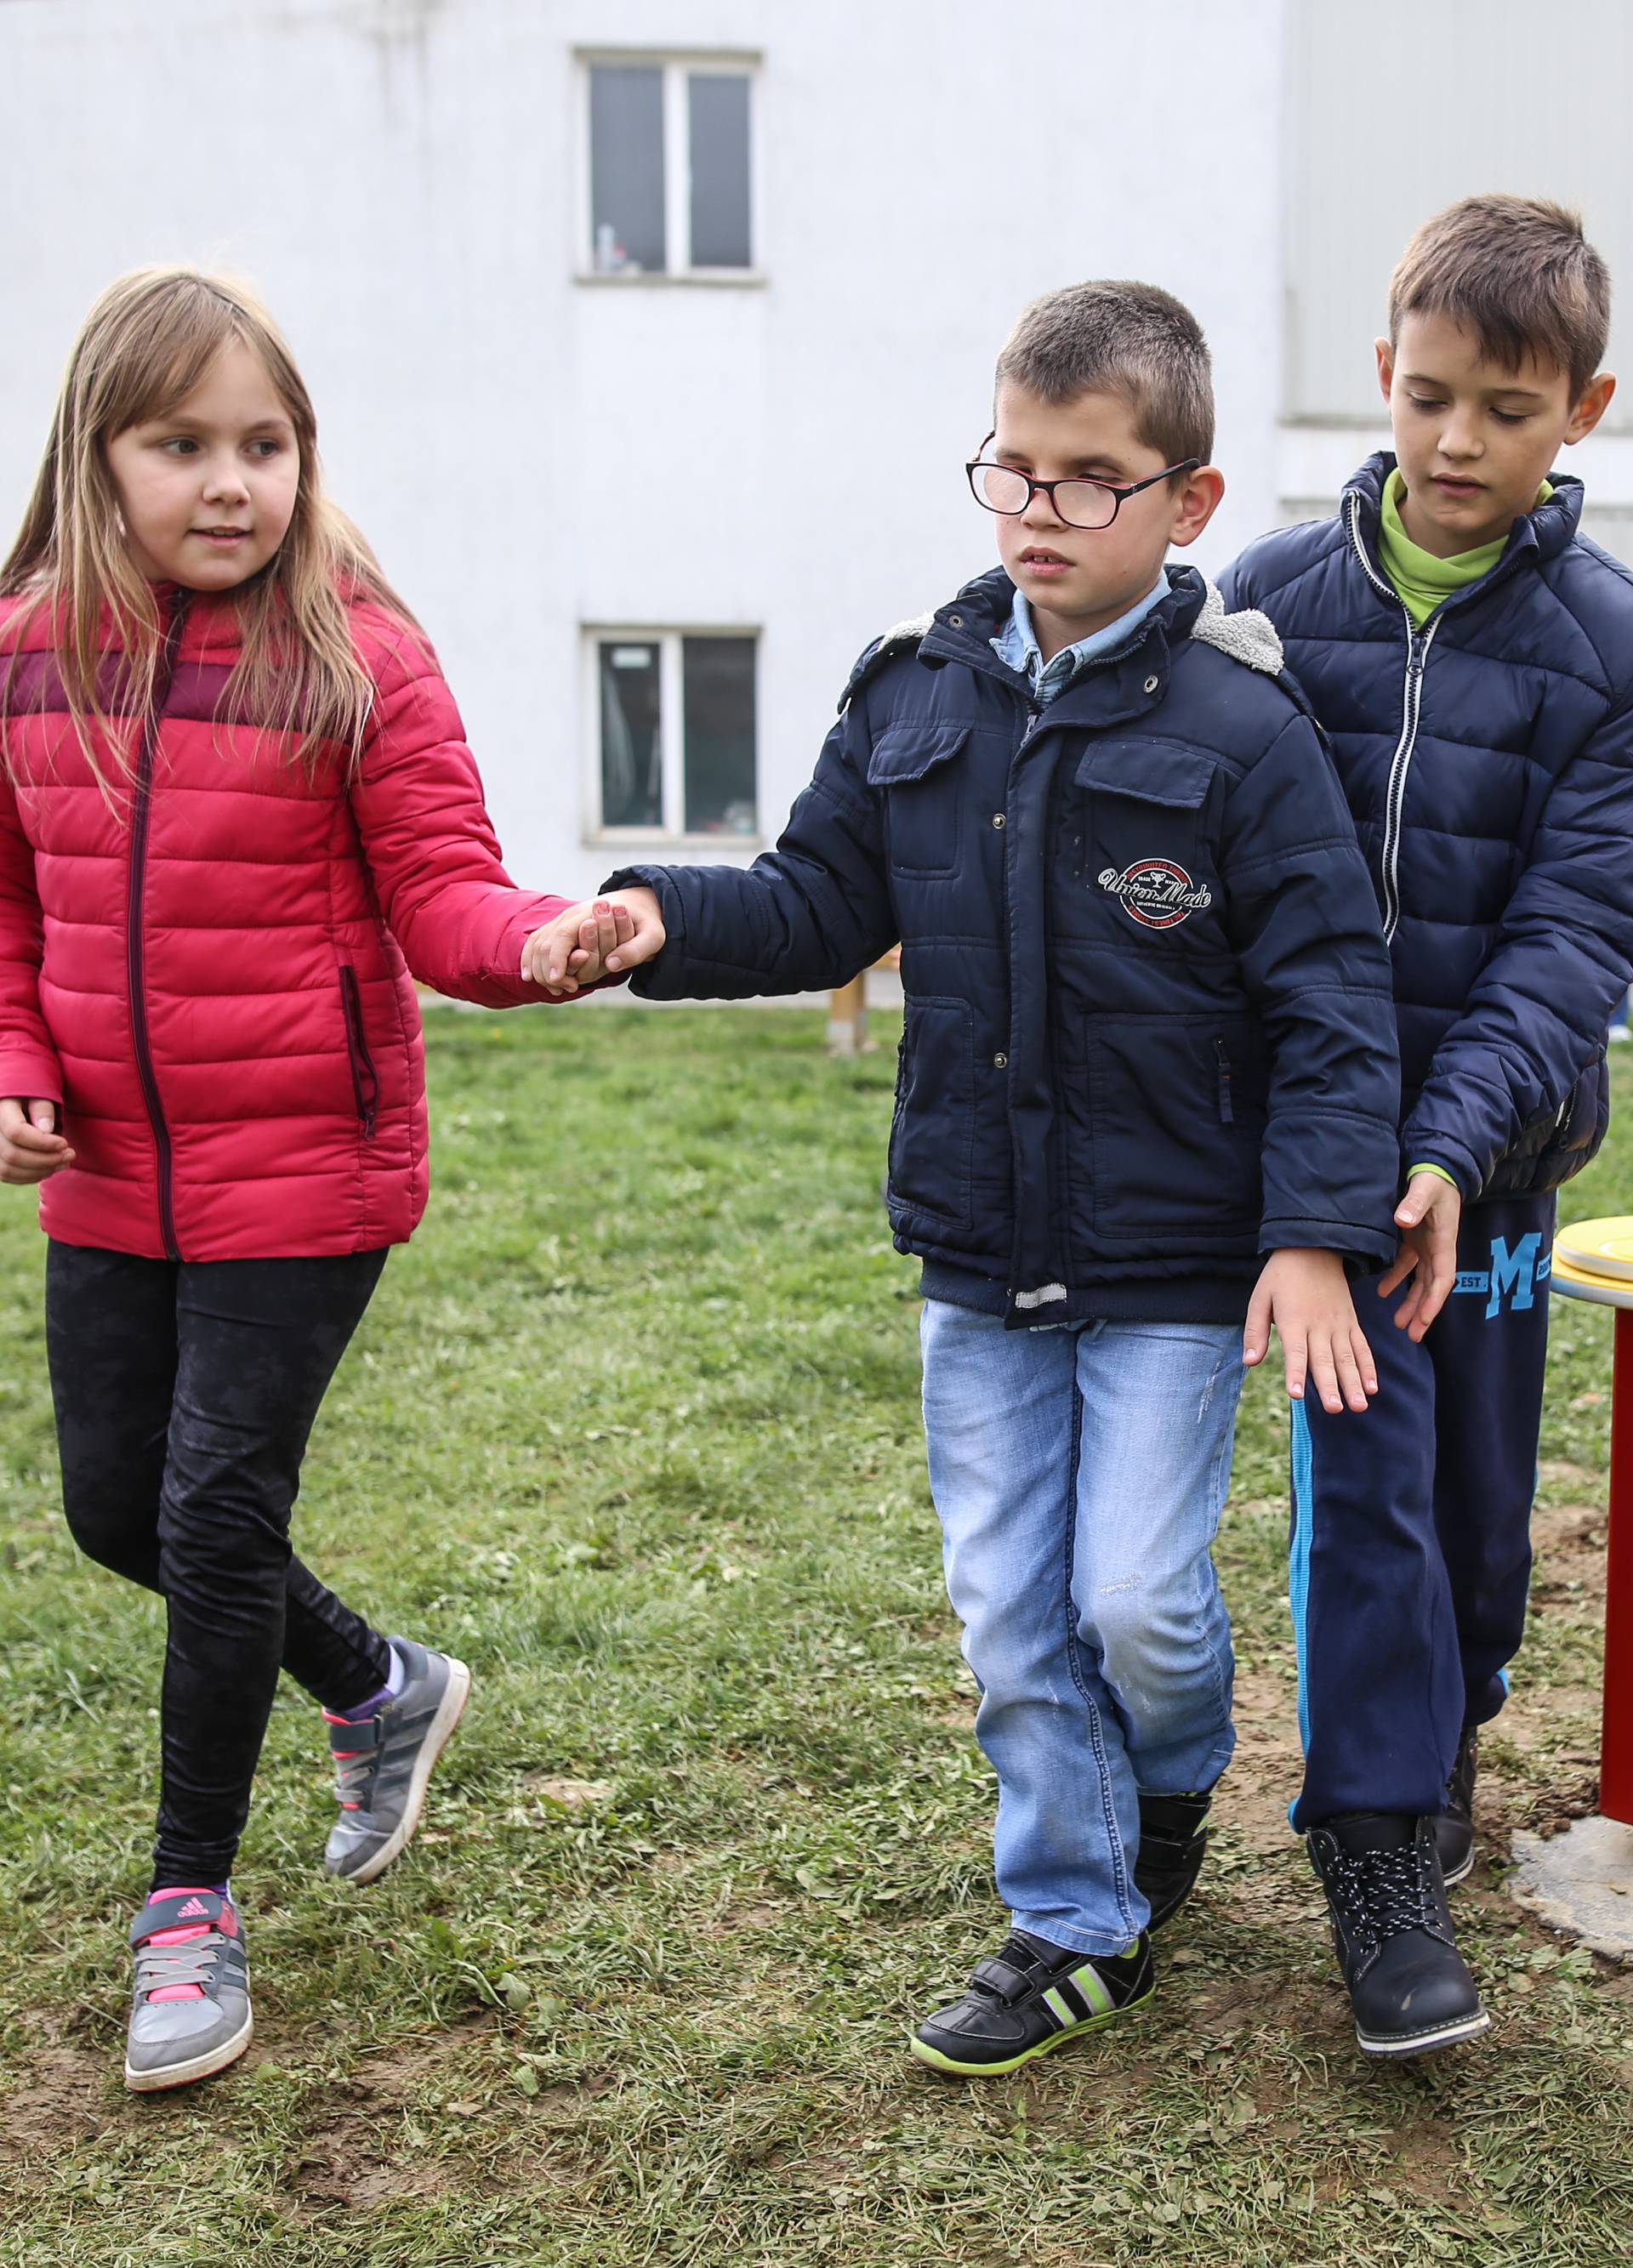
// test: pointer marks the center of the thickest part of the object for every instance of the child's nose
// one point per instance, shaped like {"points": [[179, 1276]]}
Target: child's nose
{"points": [[1040, 512], [223, 479]]}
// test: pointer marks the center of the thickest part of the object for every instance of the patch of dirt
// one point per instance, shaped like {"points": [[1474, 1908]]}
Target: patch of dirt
{"points": [[65, 2101], [758, 1917], [1553, 1809], [575, 1794], [1265, 1771]]}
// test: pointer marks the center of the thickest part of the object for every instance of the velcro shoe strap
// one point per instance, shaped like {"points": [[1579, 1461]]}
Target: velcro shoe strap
{"points": [[998, 1977], [199, 1910], [351, 1740]]}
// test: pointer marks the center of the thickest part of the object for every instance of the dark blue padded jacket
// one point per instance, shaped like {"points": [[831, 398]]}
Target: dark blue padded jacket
{"points": [[1147, 1033], [1487, 759]]}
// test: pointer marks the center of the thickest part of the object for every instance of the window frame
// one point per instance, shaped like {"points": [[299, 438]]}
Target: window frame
{"points": [[676, 63], [667, 637]]}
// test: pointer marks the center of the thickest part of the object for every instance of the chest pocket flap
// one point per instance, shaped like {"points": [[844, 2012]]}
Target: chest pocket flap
{"points": [[1151, 772], [923, 792], [907, 752]]}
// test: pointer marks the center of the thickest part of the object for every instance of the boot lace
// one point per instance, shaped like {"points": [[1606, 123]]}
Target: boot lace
{"points": [[1383, 1894]]}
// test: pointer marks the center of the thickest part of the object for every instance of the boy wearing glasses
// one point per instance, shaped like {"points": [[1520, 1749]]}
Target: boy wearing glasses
{"points": [[1146, 1097], [1472, 655]]}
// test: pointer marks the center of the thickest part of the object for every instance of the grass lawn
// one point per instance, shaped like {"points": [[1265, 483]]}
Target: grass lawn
{"points": [[633, 1427]]}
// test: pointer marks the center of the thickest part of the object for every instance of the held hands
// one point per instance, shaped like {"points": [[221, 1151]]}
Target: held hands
{"points": [[1304, 1293], [31, 1148], [602, 936], [1428, 1217]]}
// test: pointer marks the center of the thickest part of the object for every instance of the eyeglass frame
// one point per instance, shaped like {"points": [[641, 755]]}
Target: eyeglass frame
{"points": [[1119, 495]]}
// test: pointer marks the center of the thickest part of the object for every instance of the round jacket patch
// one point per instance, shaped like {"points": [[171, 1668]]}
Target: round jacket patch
{"points": [[1156, 893]]}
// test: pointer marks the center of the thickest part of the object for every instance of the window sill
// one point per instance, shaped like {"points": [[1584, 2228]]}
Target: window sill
{"points": [[637, 839], [708, 279]]}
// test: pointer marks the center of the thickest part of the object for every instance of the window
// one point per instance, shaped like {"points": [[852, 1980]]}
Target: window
{"points": [[670, 165], [675, 732]]}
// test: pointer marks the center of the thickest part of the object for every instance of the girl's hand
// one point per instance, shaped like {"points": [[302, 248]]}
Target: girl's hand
{"points": [[1306, 1294], [31, 1148], [1428, 1217], [608, 936]]}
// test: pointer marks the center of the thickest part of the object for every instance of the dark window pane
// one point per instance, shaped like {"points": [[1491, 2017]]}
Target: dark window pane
{"points": [[631, 753], [626, 167], [718, 675], [720, 170]]}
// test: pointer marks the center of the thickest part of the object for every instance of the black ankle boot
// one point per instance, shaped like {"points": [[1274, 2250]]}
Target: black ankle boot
{"points": [[1408, 1983], [1173, 1844], [1454, 1828]]}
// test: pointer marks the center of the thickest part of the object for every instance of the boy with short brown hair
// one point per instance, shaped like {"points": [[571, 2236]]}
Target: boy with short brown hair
{"points": [[1470, 653]]}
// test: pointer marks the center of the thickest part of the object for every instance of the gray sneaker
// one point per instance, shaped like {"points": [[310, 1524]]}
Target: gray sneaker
{"points": [[384, 1764], [190, 1946]]}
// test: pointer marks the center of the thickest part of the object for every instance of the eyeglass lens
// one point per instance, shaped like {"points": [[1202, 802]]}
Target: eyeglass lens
{"points": [[1080, 504]]}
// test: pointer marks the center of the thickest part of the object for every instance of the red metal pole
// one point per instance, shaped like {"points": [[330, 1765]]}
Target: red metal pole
{"points": [[1615, 1770]]}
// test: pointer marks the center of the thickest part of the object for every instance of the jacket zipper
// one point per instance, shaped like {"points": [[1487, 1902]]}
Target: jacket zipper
{"points": [[1227, 1106], [1418, 643], [364, 1079], [135, 943]]}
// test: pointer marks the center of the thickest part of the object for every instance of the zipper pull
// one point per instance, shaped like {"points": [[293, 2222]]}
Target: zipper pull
{"points": [[1414, 656], [1227, 1107]]}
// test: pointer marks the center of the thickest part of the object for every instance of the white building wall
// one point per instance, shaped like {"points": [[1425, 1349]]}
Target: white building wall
{"points": [[1395, 108], [530, 453]]}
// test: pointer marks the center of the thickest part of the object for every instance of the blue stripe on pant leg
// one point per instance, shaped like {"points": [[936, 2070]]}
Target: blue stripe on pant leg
{"points": [[1298, 1558]]}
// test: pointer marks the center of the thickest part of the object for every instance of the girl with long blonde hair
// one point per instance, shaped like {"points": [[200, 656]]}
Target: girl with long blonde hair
{"points": [[237, 818]]}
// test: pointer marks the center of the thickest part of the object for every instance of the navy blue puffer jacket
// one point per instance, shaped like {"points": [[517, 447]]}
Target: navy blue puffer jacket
{"points": [[1148, 1031], [1487, 759]]}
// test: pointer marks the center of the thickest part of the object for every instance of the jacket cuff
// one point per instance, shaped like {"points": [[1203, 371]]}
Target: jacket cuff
{"points": [[1444, 1172], [30, 1074], [1433, 1147]]}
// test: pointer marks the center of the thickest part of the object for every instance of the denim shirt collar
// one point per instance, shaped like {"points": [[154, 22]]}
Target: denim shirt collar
{"points": [[1017, 645]]}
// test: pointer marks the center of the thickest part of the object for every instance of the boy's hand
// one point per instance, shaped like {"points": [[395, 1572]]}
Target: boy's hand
{"points": [[1427, 1217], [602, 936], [31, 1148], [1306, 1294]]}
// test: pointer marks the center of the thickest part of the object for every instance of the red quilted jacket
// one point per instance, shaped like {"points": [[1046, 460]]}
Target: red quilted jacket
{"points": [[213, 978]]}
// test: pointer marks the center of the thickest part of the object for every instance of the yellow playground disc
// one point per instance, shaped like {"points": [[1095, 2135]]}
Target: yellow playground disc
{"points": [[1598, 1247]]}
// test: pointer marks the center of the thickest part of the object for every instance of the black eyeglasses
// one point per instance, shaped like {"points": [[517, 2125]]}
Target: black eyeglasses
{"points": [[1078, 503]]}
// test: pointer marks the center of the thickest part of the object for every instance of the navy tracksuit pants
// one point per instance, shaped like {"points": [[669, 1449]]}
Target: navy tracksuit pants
{"points": [[1411, 1529]]}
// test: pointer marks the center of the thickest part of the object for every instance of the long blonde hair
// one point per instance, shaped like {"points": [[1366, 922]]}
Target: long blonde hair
{"points": [[146, 344]]}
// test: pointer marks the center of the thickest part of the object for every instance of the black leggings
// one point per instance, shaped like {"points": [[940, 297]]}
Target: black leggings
{"points": [[185, 1394]]}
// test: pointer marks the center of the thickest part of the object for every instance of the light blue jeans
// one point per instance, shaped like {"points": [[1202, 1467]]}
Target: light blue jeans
{"points": [[1079, 1474]]}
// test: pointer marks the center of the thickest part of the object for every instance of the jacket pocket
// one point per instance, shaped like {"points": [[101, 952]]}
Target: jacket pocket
{"points": [[933, 1137], [364, 1079], [913, 766], [1142, 847], [1177, 1113]]}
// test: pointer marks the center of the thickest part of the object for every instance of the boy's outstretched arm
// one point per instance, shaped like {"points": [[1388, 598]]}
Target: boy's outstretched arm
{"points": [[803, 917]]}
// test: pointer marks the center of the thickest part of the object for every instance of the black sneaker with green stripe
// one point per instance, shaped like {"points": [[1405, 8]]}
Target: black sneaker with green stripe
{"points": [[1028, 1998]]}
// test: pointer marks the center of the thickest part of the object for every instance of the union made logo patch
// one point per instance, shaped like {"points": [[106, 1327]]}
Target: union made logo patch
{"points": [[1156, 893]]}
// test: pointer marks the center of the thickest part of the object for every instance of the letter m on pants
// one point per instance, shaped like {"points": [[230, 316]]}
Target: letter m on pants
{"points": [[1513, 1271]]}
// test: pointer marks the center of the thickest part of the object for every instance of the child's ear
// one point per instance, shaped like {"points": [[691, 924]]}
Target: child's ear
{"points": [[1386, 355], [1591, 403], [1199, 501]]}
